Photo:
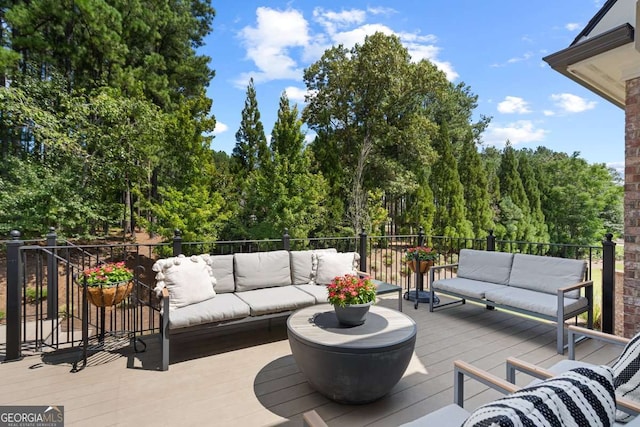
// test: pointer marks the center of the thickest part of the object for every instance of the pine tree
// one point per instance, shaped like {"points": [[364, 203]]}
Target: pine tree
{"points": [[251, 151], [530, 184], [450, 219], [511, 187], [473, 178]]}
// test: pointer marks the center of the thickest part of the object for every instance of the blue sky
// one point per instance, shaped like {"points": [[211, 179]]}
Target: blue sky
{"points": [[494, 47]]}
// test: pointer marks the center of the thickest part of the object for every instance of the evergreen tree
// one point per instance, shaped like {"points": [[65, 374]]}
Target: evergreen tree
{"points": [[285, 193], [511, 187], [530, 184], [473, 178], [251, 150], [448, 195]]}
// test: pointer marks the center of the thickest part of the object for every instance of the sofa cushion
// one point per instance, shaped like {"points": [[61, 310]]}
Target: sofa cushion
{"points": [[485, 266], [331, 265], [222, 308], [275, 300], [261, 270], [466, 287], [222, 266], [450, 415], [627, 375], [538, 302], [188, 280], [319, 292], [579, 397], [302, 265], [546, 274]]}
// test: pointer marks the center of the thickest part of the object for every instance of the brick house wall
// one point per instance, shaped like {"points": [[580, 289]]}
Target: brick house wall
{"points": [[631, 288]]}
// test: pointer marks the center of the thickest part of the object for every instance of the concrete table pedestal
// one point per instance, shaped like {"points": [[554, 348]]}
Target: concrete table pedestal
{"points": [[352, 365]]}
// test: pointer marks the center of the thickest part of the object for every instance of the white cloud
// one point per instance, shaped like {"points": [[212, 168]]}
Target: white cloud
{"points": [[268, 44], [513, 104], [519, 132], [570, 103], [332, 21], [220, 128], [573, 26], [618, 166], [295, 94], [549, 113], [381, 10], [280, 43]]}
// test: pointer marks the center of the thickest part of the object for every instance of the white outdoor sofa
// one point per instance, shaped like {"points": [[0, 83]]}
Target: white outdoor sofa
{"points": [[544, 287], [205, 291]]}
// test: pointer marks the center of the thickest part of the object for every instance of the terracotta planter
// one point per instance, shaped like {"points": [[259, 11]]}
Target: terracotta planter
{"points": [[424, 265], [108, 296], [352, 314]]}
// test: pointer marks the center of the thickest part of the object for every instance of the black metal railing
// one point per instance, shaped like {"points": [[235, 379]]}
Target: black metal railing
{"points": [[44, 303]]}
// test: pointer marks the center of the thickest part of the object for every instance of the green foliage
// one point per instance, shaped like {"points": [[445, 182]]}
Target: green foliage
{"points": [[473, 178], [250, 151], [448, 195], [33, 295]]}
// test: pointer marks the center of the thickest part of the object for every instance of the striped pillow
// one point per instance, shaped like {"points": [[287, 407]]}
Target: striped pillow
{"points": [[627, 375], [581, 396]]}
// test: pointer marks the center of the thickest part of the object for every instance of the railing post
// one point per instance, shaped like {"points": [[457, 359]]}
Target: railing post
{"points": [[14, 296], [177, 242], [608, 283], [52, 275], [286, 240], [363, 250], [419, 276], [491, 241]]}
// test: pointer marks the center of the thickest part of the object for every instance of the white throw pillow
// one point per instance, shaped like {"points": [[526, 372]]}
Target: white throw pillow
{"points": [[188, 280], [331, 265]]}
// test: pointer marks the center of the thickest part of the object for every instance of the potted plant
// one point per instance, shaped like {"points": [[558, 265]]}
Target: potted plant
{"points": [[420, 257], [107, 284], [351, 297]]}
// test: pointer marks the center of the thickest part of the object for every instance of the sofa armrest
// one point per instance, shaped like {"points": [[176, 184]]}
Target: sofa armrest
{"points": [[575, 332], [461, 368], [575, 286]]}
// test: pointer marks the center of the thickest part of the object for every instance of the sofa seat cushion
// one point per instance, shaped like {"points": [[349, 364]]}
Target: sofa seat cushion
{"points": [[485, 266], [466, 287], [261, 270], [537, 302], [275, 300], [450, 415], [319, 292], [546, 274], [224, 307]]}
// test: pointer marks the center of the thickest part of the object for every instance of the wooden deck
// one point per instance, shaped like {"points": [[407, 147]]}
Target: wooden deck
{"points": [[249, 378]]}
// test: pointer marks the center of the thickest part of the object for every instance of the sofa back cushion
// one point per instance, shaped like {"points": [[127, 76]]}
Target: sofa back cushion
{"points": [[546, 274], [222, 267], [331, 265], [302, 271], [261, 270], [486, 266], [188, 280]]}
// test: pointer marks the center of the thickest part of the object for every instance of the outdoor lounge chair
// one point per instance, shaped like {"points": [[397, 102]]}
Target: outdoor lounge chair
{"points": [[578, 383], [627, 368]]}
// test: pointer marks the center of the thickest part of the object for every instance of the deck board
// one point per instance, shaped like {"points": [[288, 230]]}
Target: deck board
{"points": [[247, 377]]}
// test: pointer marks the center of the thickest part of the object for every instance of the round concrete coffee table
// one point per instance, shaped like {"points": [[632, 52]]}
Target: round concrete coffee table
{"points": [[356, 364]]}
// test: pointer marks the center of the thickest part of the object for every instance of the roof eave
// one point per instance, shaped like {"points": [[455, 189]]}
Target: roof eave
{"points": [[607, 41]]}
